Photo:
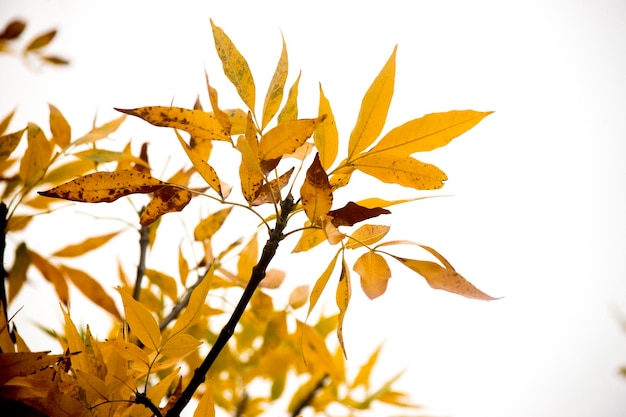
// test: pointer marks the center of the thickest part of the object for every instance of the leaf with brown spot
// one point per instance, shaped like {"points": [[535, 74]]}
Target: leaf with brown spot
{"points": [[9, 142], [405, 171], [14, 364], [269, 192], [274, 95], [165, 200], [316, 195], [353, 213], [105, 186]]}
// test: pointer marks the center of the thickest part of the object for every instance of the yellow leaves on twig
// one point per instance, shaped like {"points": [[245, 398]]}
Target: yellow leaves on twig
{"points": [[141, 322]]}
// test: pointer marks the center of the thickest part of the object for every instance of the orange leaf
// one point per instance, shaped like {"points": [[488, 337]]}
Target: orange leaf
{"points": [[207, 227], [445, 279], [270, 191], [100, 132], [298, 296], [353, 213], [374, 273], [91, 289], [286, 138], [52, 274], [165, 200], [41, 40], [85, 246], [9, 142], [36, 158], [317, 198], [367, 234], [343, 298], [405, 171], [60, 128], [274, 95]]}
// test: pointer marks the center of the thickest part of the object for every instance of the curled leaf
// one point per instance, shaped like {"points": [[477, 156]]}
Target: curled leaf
{"points": [[165, 200], [343, 299], [353, 213]]}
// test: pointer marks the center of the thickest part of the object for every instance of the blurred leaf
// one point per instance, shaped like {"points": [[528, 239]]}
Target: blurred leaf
{"points": [[191, 315], [208, 226], [299, 296], [100, 132], [60, 128], [102, 156], [326, 137], [374, 273], [365, 372], [286, 138], [166, 283], [85, 246], [41, 40], [290, 110], [36, 158], [206, 406], [165, 200], [353, 213], [142, 323], [4, 124], [13, 30], [91, 289], [405, 171], [343, 298], [273, 279], [367, 234], [16, 223], [374, 108], [274, 95], [9, 142], [317, 198], [235, 67], [248, 259], [14, 364], [17, 274], [105, 186], [183, 266], [68, 171], [75, 344], [179, 346], [52, 274], [54, 60], [205, 170]]}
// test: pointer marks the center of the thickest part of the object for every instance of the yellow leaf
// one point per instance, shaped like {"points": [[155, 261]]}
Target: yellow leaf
{"points": [[52, 274], [205, 170], [321, 282], [274, 95], [165, 200], [379, 202], [206, 406], [183, 266], [16, 223], [85, 246], [141, 321], [298, 296], [9, 142], [405, 171], [41, 40], [192, 312], [17, 275], [207, 227], [14, 364], [326, 137], [105, 186], [290, 110], [374, 108], [103, 156], [91, 289], [363, 377], [199, 124], [286, 138], [427, 133], [374, 273], [237, 119], [60, 128], [341, 177], [270, 191], [128, 351], [157, 392], [430, 250], [75, 344], [221, 116], [250, 172], [94, 388], [248, 259], [235, 67], [315, 353], [95, 360], [100, 132], [343, 298], [179, 346], [316, 195], [4, 123], [311, 237], [367, 234], [36, 158], [68, 171], [445, 279], [166, 283]]}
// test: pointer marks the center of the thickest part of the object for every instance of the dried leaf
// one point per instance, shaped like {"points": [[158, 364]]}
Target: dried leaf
{"points": [[207, 227], [142, 323], [9, 142], [270, 191], [52, 274], [286, 138], [105, 186], [290, 110], [326, 137], [14, 364], [374, 108], [199, 124], [343, 298], [85, 246], [100, 132], [235, 67], [366, 235], [165, 200], [41, 40], [428, 132], [445, 279], [36, 158], [4, 124], [60, 128], [316, 195], [374, 273], [205, 170], [13, 30], [353, 213], [299, 296], [274, 95], [405, 171], [91, 289]]}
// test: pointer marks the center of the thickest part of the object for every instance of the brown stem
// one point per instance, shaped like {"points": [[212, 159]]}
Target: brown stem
{"points": [[258, 273], [3, 243], [144, 240], [311, 396]]}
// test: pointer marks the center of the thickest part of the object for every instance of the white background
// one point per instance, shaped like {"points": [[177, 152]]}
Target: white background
{"points": [[538, 187]]}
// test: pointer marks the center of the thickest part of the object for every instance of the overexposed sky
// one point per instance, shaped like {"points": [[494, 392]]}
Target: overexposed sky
{"points": [[537, 213]]}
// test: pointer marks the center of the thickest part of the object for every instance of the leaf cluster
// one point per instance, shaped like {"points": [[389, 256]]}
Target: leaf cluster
{"points": [[35, 48]]}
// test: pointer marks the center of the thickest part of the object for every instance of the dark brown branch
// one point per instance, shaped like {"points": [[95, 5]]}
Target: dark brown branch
{"points": [[144, 240], [3, 273], [306, 401], [258, 273]]}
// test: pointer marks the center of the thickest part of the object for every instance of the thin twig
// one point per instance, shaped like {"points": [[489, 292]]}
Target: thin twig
{"points": [[182, 303], [258, 273], [309, 398], [3, 272], [144, 240]]}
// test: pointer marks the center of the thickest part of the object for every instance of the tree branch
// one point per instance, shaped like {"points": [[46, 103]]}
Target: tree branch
{"points": [[144, 240], [258, 273], [3, 272]]}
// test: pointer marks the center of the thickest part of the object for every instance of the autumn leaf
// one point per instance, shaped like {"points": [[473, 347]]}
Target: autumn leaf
{"points": [[326, 137], [206, 405], [311, 237], [274, 95], [52, 274], [298, 296], [41, 40], [353, 213], [191, 314], [4, 123], [166, 283], [250, 173], [365, 372], [379, 202], [317, 198], [60, 128], [36, 158], [374, 273], [75, 344], [248, 259], [102, 156], [286, 138], [427, 133], [85, 246], [199, 124], [205, 170], [290, 109], [235, 66], [321, 282], [91, 289], [67, 171], [179, 345], [343, 298], [374, 108], [269, 192], [165, 200], [367, 234], [100, 132], [12, 30], [9, 142], [441, 278], [17, 275], [14, 364], [221, 116], [405, 171], [341, 177], [105, 186], [142, 323], [208, 226]]}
